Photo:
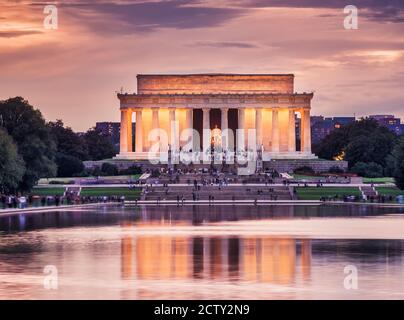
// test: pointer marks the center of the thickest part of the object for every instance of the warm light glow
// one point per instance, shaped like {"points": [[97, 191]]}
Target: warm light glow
{"points": [[266, 128], [147, 126], [216, 138], [379, 56], [283, 129], [340, 157]]}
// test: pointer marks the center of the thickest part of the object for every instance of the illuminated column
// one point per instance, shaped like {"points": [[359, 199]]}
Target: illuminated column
{"points": [[275, 130], [258, 127], [305, 135], [155, 120], [123, 145], [292, 131], [224, 127], [129, 130], [206, 126], [139, 131], [189, 125], [173, 130], [241, 136]]}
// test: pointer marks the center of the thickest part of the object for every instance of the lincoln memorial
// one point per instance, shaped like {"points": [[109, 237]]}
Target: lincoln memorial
{"points": [[231, 113]]}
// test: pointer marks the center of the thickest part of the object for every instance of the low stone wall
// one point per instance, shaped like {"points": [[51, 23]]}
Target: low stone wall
{"points": [[317, 165], [122, 164]]}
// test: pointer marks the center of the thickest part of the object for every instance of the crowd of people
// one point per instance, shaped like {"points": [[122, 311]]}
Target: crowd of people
{"points": [[22, 202]]}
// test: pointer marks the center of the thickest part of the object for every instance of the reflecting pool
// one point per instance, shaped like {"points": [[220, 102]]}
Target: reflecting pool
{"points": [[202, 252]]}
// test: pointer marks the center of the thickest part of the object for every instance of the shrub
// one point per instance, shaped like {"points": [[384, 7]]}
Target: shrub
{"points": [[57, 182], [304, 170], [155, 173], [108, 169], [335, 169], [368, 170], [133, 169]]}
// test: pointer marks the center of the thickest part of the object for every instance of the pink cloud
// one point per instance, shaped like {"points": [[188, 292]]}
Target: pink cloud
{"points": [[72, 73]]}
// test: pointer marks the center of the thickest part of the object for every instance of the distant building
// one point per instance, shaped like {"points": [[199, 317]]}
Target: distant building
{"points": [[390, 121], [322, 126], [112, 130]]}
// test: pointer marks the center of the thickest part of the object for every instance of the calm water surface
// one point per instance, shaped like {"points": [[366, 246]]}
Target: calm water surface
{"points": [[201, 252]]}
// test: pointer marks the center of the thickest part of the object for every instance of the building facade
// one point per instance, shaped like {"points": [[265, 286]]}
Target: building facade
{"points": [[230, 113], [389, 121], [112, 130], [323, 126]]}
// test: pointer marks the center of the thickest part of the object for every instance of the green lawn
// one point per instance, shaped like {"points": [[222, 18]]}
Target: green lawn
{"points": [[389, 191], [127, 177], [378, 180], [46, 181], [48, 191], [130, 194], [305, 177], [314, 193], [68, 180]]}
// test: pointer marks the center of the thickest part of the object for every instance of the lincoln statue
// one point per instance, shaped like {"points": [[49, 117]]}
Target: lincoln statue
{"points": [[232, 113]]}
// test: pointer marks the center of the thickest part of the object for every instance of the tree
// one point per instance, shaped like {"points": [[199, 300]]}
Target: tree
{"points": [[99, 145], [33, 138], [67, 141], [12, 166], [390, 167], [369, 170], [71, 150], [361, 141], [332, 145], [68, 166], [399, 164]]}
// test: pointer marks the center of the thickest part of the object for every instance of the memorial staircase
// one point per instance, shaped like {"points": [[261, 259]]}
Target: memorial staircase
{"points": [[216, 193]]}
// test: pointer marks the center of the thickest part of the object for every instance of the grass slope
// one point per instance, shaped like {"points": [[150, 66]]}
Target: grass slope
{"points": [[389, 191], [315, 193], [130, 194], [49, 191]]}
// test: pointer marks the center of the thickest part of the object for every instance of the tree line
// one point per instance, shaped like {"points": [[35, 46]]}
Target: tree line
{"points": [[31, 148], [371, 150]]}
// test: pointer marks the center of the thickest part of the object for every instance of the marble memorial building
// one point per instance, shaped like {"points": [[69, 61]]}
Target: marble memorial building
{"points": [[227, 107]]}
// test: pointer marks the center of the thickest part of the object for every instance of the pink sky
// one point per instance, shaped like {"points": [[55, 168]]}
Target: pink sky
{"points": [[72, 73]]}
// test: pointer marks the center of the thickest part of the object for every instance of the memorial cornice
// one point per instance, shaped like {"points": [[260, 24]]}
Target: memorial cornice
{"points": [[229, 100]]}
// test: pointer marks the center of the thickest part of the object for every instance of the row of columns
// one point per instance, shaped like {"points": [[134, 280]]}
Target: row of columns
{"points": [[126, 128]]}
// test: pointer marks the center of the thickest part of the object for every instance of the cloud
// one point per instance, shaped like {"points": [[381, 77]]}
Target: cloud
{"points": [[102, 44], [17, 33], [388, 14], [128, 17], [225, 44], [376, 10]]}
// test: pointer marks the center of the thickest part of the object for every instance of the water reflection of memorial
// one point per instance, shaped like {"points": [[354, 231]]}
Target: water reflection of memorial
{"points": [[258, 259]]}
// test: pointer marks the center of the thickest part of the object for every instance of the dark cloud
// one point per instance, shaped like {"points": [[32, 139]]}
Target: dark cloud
{"points": [[17, 33], [129, 17], [225, 44], [335, 45], [372, 4], [376, 10], [388, 14]]}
